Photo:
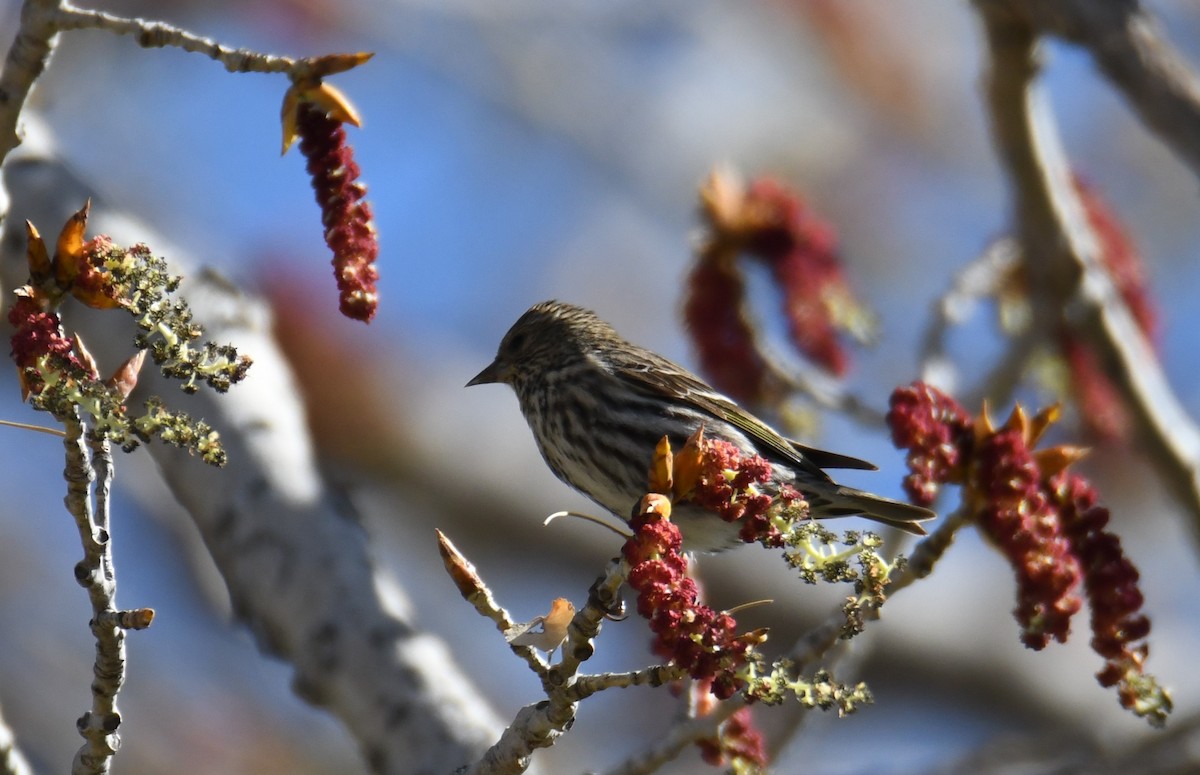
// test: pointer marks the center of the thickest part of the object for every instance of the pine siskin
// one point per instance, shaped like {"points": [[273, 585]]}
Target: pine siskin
{"points": [[598, 404]]}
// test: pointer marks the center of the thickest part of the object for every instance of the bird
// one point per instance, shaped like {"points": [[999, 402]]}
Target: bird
{"points": [[597, 405]]}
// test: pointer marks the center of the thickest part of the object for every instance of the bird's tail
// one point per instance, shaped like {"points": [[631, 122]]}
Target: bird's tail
{"points": [[847, 501]]}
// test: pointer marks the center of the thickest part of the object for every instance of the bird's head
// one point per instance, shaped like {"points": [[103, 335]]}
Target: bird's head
{"points": [[549, 335]]}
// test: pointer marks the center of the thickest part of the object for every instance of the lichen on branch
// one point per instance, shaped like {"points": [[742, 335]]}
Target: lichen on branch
{"points": [[57, 373]]}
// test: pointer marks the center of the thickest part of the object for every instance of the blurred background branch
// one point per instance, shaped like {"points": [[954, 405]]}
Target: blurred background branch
{"points": [[1128, 45], [12, 761], [1069, 285]]}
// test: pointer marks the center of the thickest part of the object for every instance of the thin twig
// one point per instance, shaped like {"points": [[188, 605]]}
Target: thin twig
{"points": [[473, 589], [656, 675], [94, 572], [980, 279], [152, 34], [603, 602], [102, 465], [821, 642], [24, 426]]}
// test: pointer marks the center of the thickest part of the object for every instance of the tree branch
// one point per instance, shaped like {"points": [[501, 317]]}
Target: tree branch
{"points": [[96, 574], [1129, 47], [1069, 285], [151, 34], [12, 761], [26, 61]]}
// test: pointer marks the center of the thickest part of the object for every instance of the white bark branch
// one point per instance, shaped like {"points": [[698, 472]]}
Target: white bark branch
{"points": [[12, 761], [96, 574]]}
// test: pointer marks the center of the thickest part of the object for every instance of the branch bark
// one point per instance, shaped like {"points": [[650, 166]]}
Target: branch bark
{"points": [[97, 575]]}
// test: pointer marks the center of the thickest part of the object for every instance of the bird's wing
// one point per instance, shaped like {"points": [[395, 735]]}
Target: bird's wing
{"points": [[826, 459], [655, 374]]}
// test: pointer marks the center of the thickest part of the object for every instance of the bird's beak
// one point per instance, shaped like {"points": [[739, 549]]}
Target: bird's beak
{"points": [[493, 373]]}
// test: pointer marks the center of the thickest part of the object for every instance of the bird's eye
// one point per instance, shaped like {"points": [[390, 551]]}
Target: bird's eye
{"points": [[517, 343]]}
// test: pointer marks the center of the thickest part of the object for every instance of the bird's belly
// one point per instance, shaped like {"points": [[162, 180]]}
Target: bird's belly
{"points": [[570, 465], [703, 531]]}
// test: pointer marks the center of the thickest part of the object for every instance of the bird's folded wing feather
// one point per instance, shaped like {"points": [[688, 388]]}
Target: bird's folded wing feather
{"points": [[653, 373]]}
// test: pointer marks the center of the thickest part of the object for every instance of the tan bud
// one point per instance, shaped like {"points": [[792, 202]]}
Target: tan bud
{"points": [[40, 268], [125, 378], [288, 114], [461, 571], [85, 357], [660, 467], [68, 251]]}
